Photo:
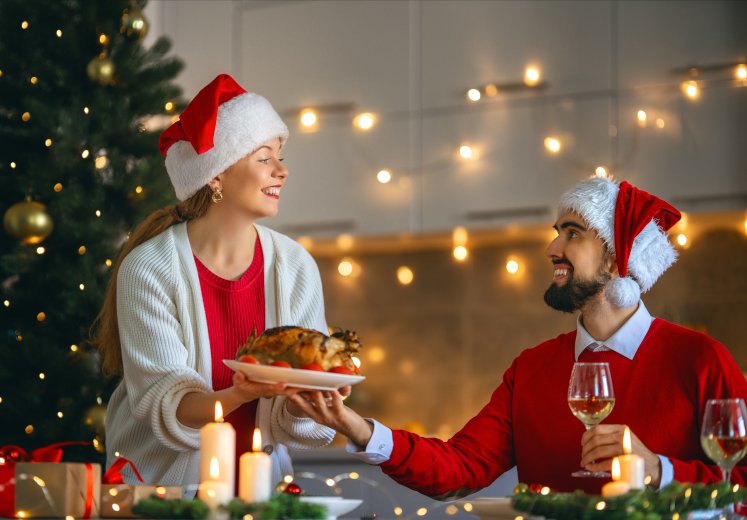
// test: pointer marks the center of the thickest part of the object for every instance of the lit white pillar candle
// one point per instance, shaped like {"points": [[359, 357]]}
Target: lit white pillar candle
{"points": [[632, 467], [218, 439], [215, 492], [255, 473], [616, 487]]}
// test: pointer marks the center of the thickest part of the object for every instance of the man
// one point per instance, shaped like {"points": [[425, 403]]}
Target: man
{"points": [[611, 246]]}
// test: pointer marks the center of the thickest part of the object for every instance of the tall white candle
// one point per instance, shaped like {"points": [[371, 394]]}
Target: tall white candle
{"points": [[255, 473], [632, 467], [218, 439]]}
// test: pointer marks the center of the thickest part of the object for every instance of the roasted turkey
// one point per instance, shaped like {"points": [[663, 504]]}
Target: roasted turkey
{"points": [[300, 347]]}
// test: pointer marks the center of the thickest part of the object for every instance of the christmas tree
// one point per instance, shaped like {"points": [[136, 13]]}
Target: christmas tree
{"points": [[79, 159]]}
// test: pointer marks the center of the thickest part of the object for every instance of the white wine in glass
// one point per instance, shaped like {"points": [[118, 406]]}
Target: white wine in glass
{"points": [[724, 433], [591, 399]]}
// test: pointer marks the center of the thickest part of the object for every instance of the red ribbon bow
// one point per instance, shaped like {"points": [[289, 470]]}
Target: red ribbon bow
{"points": [[114, 474]]}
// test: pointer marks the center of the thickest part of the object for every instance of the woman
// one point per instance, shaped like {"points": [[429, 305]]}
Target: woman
{"points": [[193, 281]]}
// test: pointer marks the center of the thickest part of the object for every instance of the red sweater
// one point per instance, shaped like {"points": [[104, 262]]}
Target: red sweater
{"points": [[233, 308], [660, 394]]}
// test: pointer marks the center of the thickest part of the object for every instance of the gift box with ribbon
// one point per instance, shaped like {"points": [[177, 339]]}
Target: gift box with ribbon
{"points": [[118, 498], [57, 489], [10, 456]]}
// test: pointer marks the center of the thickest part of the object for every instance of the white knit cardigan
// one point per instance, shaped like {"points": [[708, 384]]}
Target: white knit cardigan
{"points": [[166, 354]]}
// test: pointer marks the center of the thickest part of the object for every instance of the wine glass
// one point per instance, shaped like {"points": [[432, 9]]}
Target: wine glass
{"points": [[591, 399], [724, 433]]}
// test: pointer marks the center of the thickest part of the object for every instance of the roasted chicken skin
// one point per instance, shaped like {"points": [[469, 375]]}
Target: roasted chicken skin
{"points": [[299, 347]]}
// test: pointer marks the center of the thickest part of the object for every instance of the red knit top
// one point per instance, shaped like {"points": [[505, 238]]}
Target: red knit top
{"points": [[660, 394], [233, 308]]}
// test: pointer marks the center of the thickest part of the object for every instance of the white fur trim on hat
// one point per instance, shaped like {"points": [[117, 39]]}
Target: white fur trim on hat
{"points": [[594, 200], [243, 124]]}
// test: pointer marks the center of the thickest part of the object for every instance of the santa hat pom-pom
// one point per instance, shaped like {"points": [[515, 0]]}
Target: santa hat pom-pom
{"points": [[623, 292]]}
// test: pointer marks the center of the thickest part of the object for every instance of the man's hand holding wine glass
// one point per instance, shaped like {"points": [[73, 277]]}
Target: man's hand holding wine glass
{"points": [[603, 442]]}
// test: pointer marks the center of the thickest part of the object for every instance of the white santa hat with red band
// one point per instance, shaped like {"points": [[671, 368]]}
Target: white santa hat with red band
{"points": [[221, 125], [633, 224]]}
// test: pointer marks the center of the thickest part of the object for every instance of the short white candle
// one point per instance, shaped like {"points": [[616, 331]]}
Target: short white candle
{"points": [[215, 492], [218, 439], [255, 473], [616, 487], [632, 467]]}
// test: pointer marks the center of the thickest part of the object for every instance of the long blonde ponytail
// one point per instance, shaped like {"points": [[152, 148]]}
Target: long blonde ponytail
{"points": [[105, 326]]}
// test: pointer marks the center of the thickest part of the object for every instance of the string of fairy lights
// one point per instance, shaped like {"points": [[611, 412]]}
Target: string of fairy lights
{"points": [[729, 74]]}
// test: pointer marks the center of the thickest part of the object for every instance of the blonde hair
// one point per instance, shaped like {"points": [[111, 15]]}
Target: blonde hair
{"points": [[105, 328]]}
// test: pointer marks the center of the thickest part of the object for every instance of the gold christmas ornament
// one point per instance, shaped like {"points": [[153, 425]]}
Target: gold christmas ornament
{"points": [[94, 417], [28, 221], [134, 24], [100, 69]]}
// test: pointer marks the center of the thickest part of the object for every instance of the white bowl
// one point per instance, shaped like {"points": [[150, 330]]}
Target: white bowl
{"points": [[336, 506]]}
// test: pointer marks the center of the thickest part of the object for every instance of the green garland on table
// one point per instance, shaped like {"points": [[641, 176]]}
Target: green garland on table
{"points": [[671, 502], [283, 506]]}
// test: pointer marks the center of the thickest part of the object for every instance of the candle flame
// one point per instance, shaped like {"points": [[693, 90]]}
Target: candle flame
{"points": [[627, 445], [615, 469], [218, 412], [257, 440], [214, 471]]}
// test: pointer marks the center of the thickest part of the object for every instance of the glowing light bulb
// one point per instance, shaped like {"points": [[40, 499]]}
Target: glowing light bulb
{"points": [[41, 316], [82, 287], [512, 266], [345, 268], [101, 162], [6, 303], [40, 250], [13, 165], [691, 89], [473, 95], [309, 118], [660, 123], [26, 116], [459, 236], [60, 415], [602, 172], [405, 275], [169, 106], [24, 25], [48, 142], [460, 253], [642, 118], [85, 153], [466, 151], [108, 262], [384, 176], [57, 187], [103, 39], [73, 348], [531, 76], [365, 121], [58, 32], [421, 511], [491, 90], [86, 110], [98, 212], [682, 239], [42, 375], [33, 80], [552, 144], [138, 189], [741, 71], [82, 250]]}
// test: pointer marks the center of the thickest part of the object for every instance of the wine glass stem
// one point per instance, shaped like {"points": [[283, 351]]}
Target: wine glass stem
{"points": [[727, 475]]}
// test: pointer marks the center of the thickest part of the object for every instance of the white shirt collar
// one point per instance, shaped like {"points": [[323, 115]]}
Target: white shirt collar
{"points": [[625, 341]]}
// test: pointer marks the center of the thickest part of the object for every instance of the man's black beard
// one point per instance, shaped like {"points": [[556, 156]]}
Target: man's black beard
{"points": [[575, 293]]}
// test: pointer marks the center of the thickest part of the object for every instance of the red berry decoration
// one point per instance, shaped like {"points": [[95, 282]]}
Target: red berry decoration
{"points": [[292, 489]]}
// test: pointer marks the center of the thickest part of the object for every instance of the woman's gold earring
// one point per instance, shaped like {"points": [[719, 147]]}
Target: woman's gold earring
{"points": [[217, 195]]}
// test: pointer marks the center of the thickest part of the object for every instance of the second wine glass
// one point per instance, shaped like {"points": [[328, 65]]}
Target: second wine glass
{"points": [[591, 399]]}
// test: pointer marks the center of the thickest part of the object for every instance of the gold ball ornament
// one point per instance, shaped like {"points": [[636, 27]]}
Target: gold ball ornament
{"points": [[28, 221], [95, 417], [100, 69], [134, 23]]}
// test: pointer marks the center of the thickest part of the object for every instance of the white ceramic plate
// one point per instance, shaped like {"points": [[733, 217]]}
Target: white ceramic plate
{"points": [[336, 506], [310, 379]]}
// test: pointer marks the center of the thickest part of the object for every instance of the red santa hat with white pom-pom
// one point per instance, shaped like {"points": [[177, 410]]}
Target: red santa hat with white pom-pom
{"points": [[633, 225], [221, 125]]}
